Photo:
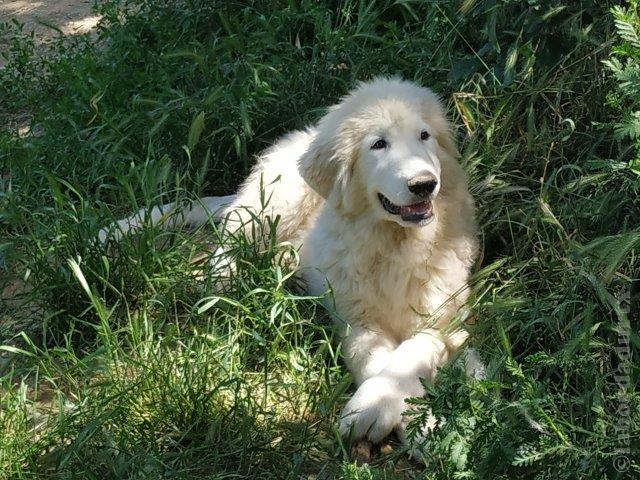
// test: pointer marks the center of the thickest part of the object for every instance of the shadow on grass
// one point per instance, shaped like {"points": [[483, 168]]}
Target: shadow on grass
{"points": [[208, 439]]}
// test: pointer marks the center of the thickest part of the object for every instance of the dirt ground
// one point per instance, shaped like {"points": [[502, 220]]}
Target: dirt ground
{"points": [[70, 16]]}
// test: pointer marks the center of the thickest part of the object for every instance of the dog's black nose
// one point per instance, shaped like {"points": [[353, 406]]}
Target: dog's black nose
{"points": [[423, 185]]}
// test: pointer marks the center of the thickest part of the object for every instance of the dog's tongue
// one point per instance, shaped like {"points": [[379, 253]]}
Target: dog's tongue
{"points": [[421, 209]]}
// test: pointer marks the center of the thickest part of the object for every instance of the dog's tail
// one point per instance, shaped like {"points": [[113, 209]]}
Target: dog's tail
{"points": [[170, 215]]}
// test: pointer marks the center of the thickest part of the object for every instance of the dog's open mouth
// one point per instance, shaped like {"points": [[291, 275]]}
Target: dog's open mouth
{"points": [[416, 212]]}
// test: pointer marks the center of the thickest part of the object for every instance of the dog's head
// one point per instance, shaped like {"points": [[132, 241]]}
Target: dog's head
{"points": [[386, 149]]}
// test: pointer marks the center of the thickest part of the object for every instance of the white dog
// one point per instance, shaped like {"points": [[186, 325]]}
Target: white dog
{"points": [[376, 201]]}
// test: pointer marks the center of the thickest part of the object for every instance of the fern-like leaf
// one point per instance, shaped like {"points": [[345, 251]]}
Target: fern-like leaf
{"points": [[625, 21], [628, 129]]}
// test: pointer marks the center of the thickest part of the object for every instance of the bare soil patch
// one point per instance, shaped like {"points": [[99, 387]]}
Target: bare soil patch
{"points": [[48, 18]]}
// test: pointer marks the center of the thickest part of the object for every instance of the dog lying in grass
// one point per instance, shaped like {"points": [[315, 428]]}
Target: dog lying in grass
{"points": [[376, 202]]}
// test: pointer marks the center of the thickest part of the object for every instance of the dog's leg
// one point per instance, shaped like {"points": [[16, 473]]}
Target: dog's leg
{"points": [[197, 213], [366, 352], [377, 406]]}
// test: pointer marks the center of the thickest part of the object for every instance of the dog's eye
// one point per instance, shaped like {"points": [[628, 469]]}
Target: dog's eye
{"points": [[424, 135], [380, 144]]}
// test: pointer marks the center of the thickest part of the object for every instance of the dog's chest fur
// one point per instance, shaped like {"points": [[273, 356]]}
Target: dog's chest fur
{"points": [[383, 278]]}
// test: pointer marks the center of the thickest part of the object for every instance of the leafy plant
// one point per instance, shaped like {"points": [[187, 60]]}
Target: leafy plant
{"points": [[625, 67]]}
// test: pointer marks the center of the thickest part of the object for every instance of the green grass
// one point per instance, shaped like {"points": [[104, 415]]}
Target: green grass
{"points": [[131, 362]]}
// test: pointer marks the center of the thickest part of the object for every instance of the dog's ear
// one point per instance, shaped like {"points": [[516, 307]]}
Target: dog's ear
{"points": [[446, 141], [433, 113], [453, 178], [328, 160], [319, 165]]}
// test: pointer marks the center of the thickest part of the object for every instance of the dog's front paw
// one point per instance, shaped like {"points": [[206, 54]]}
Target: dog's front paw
{"points": [[374, 410]]}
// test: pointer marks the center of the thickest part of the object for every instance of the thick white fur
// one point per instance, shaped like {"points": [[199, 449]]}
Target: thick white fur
{"points": [[396, 285]]}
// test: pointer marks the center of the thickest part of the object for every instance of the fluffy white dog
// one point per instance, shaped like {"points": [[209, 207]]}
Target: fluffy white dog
{"points": [[376, 201]]}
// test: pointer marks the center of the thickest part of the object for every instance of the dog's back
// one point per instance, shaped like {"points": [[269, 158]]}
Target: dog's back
{"points": [[275, 189]]}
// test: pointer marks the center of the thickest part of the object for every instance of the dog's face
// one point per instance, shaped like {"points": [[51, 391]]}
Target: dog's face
{"points": [[385, 150], [399, 166]]}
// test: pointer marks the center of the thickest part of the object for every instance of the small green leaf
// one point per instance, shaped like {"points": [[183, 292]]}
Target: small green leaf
{"points": [[197, 126]]}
